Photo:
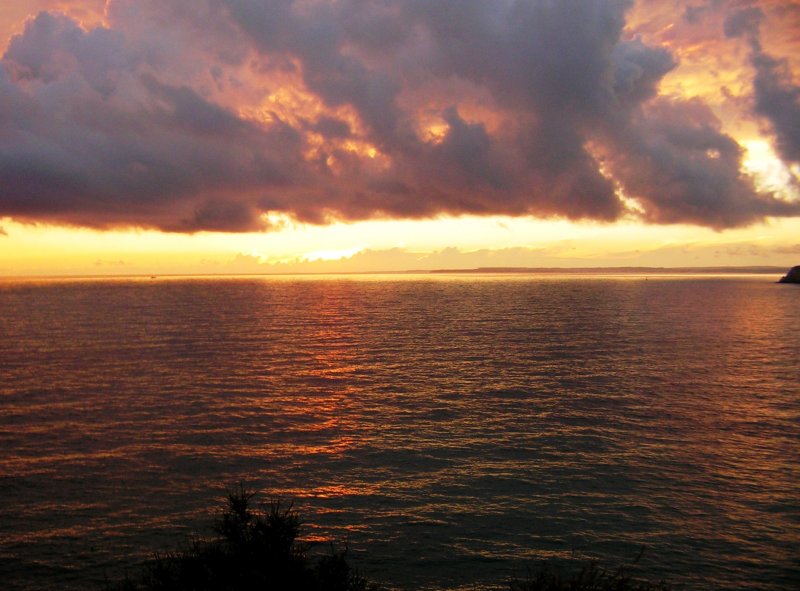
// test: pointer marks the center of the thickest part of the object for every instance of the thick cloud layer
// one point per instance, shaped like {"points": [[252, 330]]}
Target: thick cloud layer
{"points": [[776, 98], [205, 115]]}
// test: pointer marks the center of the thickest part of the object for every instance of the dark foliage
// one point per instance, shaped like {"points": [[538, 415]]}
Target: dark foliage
{"points": [[253, 549], [258, 549], [588, 578]]}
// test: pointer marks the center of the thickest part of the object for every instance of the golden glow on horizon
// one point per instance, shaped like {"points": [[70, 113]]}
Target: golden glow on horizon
{"points": [[392, 246], [331, 255]]}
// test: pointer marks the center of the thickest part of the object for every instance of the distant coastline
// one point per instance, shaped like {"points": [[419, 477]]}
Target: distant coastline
{"points": [[743, 270], [751, 270]]}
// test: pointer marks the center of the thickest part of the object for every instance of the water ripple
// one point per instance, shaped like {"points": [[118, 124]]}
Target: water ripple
{"points": [[450, 429]]}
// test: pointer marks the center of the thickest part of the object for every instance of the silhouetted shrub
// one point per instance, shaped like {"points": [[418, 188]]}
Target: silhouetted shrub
{"points": [[254, 549], [588, 578], [258, 549]]}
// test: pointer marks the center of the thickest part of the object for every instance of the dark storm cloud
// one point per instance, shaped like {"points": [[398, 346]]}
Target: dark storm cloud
{"points": [[330, 127], [540, 108], [745, 21], [778, 100], [775, 96], [676, 160], [637, 71], [77, 151]]}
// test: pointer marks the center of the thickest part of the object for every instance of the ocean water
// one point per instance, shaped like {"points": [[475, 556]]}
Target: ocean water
{"points": [[451, 430]]}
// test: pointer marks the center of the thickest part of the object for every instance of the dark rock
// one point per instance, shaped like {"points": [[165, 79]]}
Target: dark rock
{"points": [[793, 276]]}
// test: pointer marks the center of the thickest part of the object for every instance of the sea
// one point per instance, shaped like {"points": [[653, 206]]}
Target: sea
{"points": [[452, 432]]}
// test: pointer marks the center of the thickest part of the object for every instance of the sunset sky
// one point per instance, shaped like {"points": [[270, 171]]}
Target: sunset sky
{"points": [[247, 136]]}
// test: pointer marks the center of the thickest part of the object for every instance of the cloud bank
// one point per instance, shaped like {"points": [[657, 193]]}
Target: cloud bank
{"points": [[212, 114]]}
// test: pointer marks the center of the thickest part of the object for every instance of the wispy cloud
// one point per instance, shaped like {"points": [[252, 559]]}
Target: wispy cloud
{"points": [[566, 254]]}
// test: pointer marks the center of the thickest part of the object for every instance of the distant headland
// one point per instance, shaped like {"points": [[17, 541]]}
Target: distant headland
{"points": [[793, 276]]}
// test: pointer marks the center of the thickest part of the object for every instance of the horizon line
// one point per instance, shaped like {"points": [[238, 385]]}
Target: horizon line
{"points": [[605, 270]]}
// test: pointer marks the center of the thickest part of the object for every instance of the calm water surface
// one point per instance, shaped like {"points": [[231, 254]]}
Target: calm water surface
{"points": [[451, 430]]}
